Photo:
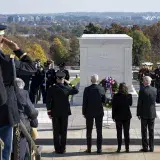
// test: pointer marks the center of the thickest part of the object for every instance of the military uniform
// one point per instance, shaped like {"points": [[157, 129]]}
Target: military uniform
{"points": [[9, 115], [157, 82], [62, 69], [142, 73], [36, 81], [49, 78], [58, 107]]}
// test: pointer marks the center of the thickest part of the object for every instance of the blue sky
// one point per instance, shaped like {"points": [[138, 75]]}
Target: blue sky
{"points": [[55, 6]]}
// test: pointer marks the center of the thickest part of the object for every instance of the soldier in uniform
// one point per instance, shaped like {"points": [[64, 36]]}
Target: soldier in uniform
{"points": [[157, 81], [58, 108], [62, 69], [36, 81], [9, 115], [141, 75], [151, 73], [49, 78]]}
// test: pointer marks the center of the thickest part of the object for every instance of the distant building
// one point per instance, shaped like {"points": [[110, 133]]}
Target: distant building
{"points": [[3, 19]]}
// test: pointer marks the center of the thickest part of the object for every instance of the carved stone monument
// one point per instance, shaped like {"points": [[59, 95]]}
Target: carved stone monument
{"points": [[105, 55]]}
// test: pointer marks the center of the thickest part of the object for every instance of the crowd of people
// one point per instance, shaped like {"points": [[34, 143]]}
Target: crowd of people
{"points": [[147, 70], [44, 77], [22, 81]]}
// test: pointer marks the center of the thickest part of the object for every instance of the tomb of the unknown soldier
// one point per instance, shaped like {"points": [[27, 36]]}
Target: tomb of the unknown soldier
{"points": [[108, 55]]}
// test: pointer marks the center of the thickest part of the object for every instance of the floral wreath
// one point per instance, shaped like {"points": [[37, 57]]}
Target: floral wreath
{"points": [[111, 85]]}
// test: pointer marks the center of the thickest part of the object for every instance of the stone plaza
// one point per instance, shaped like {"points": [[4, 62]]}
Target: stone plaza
{"points": [[76, 143], [105, 55]]}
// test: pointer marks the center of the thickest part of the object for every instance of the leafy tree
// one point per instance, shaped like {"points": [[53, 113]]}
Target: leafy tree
{"points": [[93, 29], [141, 47], [153, 33], [36, 51], [58, 52], [74, 52]]}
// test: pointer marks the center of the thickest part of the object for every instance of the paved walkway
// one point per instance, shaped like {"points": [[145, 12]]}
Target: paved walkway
{"points": [[76, 143]]}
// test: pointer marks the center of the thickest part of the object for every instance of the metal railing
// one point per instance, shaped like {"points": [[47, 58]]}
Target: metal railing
{"points": [[36, 149], [32, 145], [1, 148]]}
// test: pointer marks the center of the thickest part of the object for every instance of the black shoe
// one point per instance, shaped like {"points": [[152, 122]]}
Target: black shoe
{"points": [[88, 151], [57, 152], [143, 150], [151, 150], [127, 150], [63, 151], [118, 150], [99, 151]]}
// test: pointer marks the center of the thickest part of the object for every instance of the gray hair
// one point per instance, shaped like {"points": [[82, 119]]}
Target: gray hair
{"points": [[94, 78], [147, 79], [20, 83]]}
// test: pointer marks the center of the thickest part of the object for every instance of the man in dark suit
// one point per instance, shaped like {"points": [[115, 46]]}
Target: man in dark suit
{"points": [[9, 115], [93, 100], [146, 111], [58, 107]]}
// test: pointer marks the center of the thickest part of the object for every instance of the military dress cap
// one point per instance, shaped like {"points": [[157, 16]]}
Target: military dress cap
{"points": [[37, 60], [60, 75], [49, 62], [62, 64], [2, 28], [158, 63]]}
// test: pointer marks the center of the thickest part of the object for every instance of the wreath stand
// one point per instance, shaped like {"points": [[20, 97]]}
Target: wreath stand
{"points": [[108, 95]]}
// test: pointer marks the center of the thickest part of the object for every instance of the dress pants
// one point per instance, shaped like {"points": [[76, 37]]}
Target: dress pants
{"points": [[24, 149], [6, 136], [150, 124], [125, 124], [89, 124], [60, 125]]}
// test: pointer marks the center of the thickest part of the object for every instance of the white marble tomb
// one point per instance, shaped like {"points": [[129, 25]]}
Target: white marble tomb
{"points": [[105, 55]]}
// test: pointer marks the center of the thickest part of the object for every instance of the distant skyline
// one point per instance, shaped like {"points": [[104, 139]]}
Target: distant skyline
{"points": [[61, 6]]}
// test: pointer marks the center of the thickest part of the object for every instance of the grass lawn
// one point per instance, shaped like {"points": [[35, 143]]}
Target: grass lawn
{"points": [[75, 81]]}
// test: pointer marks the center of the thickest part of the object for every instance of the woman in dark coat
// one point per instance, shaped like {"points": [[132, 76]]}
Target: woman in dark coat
{"points": [[121, 114], [28, 115]]}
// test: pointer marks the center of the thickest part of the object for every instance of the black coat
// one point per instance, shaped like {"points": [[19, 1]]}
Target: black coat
{"points": [[3, 94], [9, 111], [67, 77], [121, 106], [93, 99], [146, 108], [26, 109], [58, 99]]}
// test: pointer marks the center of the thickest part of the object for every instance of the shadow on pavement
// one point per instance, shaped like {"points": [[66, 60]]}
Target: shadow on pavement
{"points": [[47, 154], [72, 154], [106, 141]]}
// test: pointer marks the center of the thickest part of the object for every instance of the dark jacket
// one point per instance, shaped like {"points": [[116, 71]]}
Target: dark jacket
{"points": [[58, 99], [26, 109], [3, 94], [9, 111], [67, 77], [146, 108], [121, 106], [93, 99]]}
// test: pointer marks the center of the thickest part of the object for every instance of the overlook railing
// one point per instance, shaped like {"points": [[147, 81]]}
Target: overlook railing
{"points": [[35, 151], [1, 148]]}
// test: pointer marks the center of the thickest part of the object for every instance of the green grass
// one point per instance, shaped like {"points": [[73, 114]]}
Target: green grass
{"points": [[75, 81]]}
